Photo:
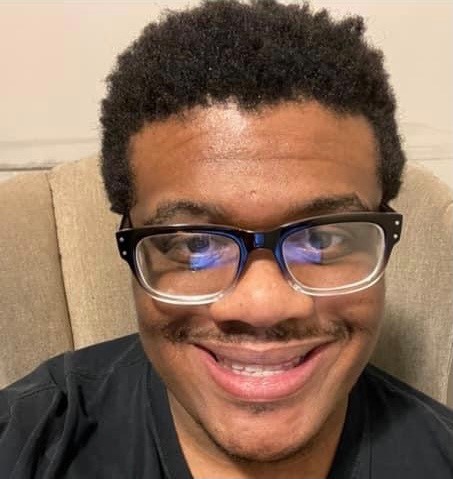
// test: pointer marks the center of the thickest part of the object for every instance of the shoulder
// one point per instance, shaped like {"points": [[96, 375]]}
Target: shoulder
{"points": [[390, 392], [408, 429], [75, 398], [31, 396], [93, 361]]}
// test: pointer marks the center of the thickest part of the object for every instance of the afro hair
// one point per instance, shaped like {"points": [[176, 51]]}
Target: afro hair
{"points": [[257, 53]]}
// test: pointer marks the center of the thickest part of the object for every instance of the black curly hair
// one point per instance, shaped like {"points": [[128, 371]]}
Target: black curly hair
{"points": [[257, 53]]}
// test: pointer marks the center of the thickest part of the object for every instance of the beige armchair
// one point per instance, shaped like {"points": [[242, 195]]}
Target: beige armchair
{"points": [[63, 285]]}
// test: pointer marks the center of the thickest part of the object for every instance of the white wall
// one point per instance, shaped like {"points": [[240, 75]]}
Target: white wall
{"points": [[55, 55]]}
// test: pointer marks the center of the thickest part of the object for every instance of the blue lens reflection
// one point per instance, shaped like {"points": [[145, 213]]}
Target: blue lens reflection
{"points": [[203, 262], [296, 254]]}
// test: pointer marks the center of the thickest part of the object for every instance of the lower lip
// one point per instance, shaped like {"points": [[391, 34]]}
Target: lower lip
{"points": [[266, 388]]}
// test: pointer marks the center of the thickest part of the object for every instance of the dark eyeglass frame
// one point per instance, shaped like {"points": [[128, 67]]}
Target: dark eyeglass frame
{"points": [[128, 238]]}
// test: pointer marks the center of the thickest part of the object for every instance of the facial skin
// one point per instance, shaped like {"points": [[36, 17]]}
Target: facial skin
{"points": [[257, 171]]}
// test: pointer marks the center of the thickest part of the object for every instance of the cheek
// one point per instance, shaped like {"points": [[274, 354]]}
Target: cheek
{"points": [[361, 313], [152, 318], [159, 321], [155, 317], [169, 359]]}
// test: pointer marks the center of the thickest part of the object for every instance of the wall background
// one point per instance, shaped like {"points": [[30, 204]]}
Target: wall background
{"points": [[56, 54]]}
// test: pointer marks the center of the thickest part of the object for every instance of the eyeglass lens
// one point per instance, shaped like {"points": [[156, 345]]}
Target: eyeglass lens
{"points": [[334, 256], [188, 264]]}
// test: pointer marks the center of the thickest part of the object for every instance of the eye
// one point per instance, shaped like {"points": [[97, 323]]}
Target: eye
{"points": [[188, 242], [198, 244], [191, 250], [321, 240], [192, 244], [319, 244]]}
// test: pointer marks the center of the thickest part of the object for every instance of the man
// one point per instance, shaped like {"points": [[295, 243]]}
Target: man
{"points": [[251, 150]]}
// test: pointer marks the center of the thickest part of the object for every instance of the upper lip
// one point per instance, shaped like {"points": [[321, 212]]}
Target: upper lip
{"points": [[264, 354]]}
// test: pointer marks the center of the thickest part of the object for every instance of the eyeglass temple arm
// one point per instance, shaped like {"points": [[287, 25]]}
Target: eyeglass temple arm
{"points": [[125, 222], [385, 208]]}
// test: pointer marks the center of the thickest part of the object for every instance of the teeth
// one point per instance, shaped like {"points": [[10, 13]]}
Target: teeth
{"points": [[258, 369]]}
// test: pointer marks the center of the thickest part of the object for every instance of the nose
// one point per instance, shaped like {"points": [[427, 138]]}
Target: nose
{"points": [[262, 296]]}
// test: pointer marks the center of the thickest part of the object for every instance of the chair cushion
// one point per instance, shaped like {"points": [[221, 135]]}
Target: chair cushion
{"points": [[416, 343], [99, 296], [34, 320]]}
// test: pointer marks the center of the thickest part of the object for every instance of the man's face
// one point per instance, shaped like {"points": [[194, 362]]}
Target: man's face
{"points": [[257, 171]]}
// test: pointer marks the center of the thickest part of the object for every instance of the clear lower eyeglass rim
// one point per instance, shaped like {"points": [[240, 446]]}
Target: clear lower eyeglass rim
{"points": [[365, 283]]}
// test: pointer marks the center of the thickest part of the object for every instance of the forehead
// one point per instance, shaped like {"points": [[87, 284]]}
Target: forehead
{"points": [[267, 160]]}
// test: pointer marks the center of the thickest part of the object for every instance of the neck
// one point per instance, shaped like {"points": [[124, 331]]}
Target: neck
{"points": [[205, 459]]}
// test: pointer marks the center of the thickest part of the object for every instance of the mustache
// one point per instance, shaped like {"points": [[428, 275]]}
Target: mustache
{"points": [[180, 331]]}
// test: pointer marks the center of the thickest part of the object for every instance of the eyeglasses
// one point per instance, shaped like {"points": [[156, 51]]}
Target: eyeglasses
{"points": [[320, 256]]}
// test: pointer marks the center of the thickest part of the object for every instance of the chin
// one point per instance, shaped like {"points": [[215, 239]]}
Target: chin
{"points": [[262, 449], [266, 432]]}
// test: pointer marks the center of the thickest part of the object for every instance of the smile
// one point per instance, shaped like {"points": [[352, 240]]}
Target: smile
{"points": [[258, 370], [260, 375]]}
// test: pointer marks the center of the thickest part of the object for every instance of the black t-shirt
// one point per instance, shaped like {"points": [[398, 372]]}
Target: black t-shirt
{"points": [[102, 412]]}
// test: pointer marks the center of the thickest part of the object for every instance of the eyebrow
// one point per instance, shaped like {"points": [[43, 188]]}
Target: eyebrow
{"points": [[167, 211], [330, 205]]}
